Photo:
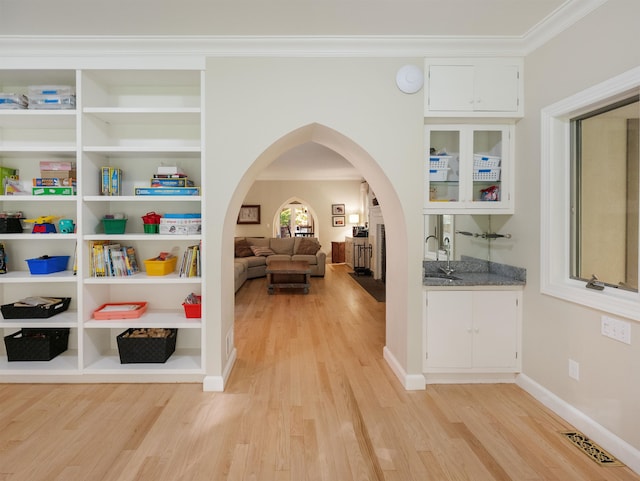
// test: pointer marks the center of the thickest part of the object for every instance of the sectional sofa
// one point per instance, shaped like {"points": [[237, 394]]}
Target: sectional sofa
{"points": [[253, 255]]}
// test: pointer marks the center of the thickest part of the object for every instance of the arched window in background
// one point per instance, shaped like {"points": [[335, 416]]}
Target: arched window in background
{"points": [[295, 220]]}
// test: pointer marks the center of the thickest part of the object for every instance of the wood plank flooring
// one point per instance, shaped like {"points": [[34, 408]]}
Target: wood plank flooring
{"points": [[310, 398]]}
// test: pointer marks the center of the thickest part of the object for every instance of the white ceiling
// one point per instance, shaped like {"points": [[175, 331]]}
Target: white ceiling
{"points": [[493, 20], [276, 17]]}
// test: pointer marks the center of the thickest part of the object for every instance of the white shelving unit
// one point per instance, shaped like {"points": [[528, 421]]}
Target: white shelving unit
{"points": [[135, 120]]}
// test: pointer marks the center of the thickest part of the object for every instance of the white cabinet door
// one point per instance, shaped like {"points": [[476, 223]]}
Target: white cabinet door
{"points": [[473, 331], [449, 329], [480, 88], [495, 330], [450, 88], [496, 88]]}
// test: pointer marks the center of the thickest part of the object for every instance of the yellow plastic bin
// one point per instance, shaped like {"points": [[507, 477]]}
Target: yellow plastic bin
{"points": [[160, 268]]}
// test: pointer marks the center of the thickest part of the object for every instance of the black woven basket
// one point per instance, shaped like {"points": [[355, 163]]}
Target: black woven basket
{"points": [[36, 344], [11, 311], [146, 349]]}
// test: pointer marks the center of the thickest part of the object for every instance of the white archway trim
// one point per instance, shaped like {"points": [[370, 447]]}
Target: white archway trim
{"points": [[396, 339]]}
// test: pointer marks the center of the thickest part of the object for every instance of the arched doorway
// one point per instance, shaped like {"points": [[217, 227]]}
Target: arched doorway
{"points": [[397, 305]]}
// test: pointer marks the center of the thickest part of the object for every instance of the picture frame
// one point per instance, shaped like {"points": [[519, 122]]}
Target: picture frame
{"points": [[249, 214], [338, 221], [337, 209]]}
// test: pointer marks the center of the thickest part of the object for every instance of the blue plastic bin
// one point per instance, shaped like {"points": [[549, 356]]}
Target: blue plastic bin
{"points": [[48, 264]]}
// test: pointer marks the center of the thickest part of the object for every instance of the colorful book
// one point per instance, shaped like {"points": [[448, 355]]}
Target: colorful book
{"points": [[167, 191], [53, 191], [171, 182], [7, 174]]}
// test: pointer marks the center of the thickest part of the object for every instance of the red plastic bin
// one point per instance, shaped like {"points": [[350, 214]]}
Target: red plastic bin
{"points": [[193, 311]]}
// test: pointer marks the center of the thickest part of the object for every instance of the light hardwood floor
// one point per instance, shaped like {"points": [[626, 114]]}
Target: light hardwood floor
{"points": [[310, 398]]}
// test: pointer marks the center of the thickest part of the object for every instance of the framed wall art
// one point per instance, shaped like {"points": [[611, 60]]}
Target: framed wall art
{"points": [[249, 214], [338, 221], [337, 209]]}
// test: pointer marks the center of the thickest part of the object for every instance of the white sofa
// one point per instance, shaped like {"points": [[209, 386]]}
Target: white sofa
{"points": [[248, 265]]}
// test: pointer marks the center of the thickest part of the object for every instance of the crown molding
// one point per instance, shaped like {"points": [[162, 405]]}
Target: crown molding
{"points": [[266, 46], [193, 49], [558, 21]]}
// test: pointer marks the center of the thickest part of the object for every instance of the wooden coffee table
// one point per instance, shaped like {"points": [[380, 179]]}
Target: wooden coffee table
{"points": [[291, 274]]}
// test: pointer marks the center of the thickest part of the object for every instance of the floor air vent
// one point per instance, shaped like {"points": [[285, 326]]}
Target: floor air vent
{"points": [[591, 449]]}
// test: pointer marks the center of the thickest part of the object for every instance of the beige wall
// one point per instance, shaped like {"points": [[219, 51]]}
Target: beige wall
{"points": [[257, 108], [317, 195], [602, 45]]}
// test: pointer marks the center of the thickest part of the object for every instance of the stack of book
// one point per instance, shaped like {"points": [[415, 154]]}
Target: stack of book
{"points": [[56, 178], [190, 266], [169, 180], [110, 181], [112, 260]]}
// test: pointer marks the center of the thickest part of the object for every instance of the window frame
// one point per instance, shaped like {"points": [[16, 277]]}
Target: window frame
{"points": [[555, 198]]}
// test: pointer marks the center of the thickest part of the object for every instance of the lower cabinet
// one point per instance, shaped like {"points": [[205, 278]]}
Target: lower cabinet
{"points": [[472, 331]]}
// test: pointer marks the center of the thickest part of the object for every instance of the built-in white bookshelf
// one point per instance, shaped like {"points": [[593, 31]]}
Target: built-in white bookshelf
{"points": [[134, 120]]}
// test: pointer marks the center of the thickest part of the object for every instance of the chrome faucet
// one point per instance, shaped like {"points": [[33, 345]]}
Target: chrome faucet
{"points": [[426, 241], [447, 248]]}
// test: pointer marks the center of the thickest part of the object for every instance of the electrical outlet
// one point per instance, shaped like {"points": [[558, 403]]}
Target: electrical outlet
{"points": [[616, 329], [574, 370]]}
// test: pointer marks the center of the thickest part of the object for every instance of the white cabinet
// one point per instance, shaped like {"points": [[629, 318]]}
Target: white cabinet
{"points": [[469, 168], [133, 120], [474, 88], [472, 331]]}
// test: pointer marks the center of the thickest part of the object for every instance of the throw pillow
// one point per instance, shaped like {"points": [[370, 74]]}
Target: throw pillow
{"points": [[242, 248], [261, 251], [308, 247]]}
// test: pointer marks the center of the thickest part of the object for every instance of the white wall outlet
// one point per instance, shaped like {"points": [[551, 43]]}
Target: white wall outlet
{"points": [[616, 329], [574, 370]]}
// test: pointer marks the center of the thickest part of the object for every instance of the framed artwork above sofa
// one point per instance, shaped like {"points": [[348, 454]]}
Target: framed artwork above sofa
{"points": [[249, 214]]}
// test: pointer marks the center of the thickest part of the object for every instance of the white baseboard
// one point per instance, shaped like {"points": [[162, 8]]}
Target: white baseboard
{"points": [[217, 383], [605, 438], [411, 382]]}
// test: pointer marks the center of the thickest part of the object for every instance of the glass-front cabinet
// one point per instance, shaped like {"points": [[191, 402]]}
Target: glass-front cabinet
{"points": [[468, 168]]}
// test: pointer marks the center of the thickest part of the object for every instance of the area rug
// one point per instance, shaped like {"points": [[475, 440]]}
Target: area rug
{"points": [[373, 286]]}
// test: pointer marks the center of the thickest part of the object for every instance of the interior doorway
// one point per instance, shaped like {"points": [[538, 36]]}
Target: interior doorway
{"points": [[396, 240]]}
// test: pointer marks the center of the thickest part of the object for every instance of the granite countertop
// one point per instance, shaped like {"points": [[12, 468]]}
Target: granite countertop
{"points": [[469, 272]]}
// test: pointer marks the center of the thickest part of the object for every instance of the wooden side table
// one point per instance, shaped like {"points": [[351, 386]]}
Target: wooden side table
{"points": [[337, 252]]}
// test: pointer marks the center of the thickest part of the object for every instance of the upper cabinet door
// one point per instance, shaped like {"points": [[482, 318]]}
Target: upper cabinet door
{"points": [[468, 88]]}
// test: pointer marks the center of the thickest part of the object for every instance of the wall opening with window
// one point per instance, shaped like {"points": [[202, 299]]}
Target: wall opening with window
{"points": [[604, 194], [589, 197]]}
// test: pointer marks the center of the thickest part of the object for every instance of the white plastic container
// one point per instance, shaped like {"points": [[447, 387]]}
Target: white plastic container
{"points": [[439, 161], [481, 161], [489, 175], [50, 90], [438, 175], [59, 102]]}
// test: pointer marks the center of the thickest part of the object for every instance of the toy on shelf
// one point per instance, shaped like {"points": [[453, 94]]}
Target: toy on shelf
{"points": [[66, 226], [43, 224]]}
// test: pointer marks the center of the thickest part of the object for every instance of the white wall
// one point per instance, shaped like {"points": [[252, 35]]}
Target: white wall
{"points": [[602, 45], [317, 195], [258, 108]]}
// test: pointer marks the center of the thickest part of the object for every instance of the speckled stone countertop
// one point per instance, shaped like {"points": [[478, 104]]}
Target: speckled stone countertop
{"points": [[470, 272]]}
